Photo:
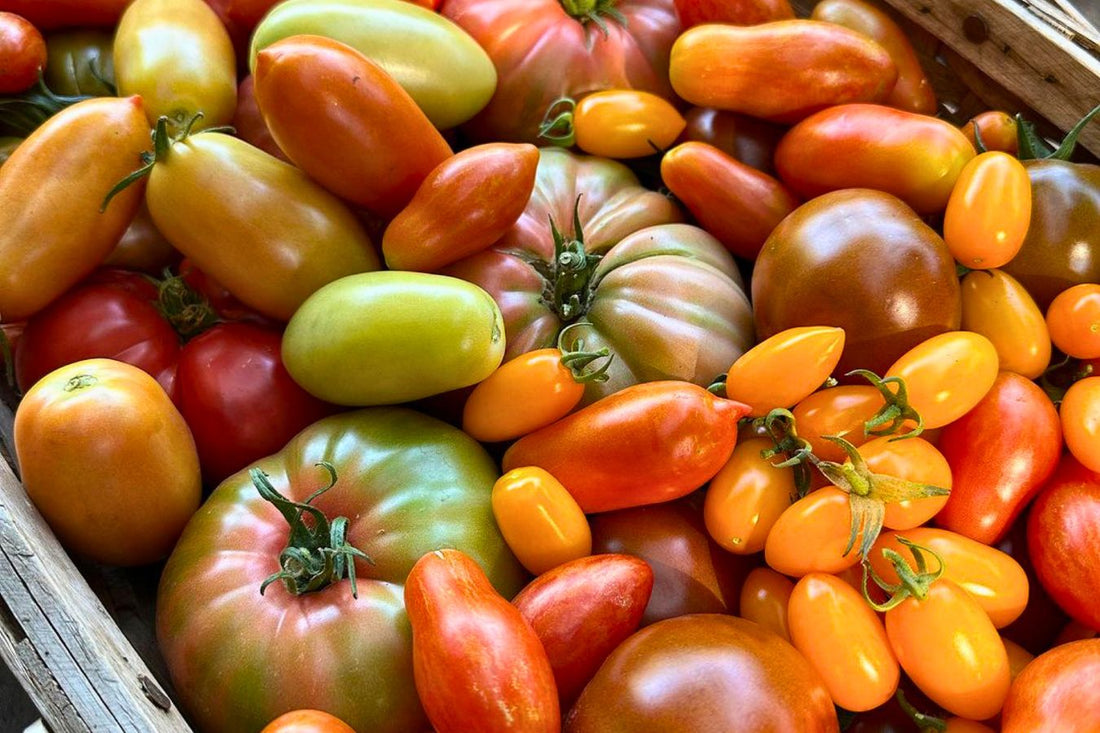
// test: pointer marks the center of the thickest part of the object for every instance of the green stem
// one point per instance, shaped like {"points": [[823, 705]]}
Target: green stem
{"points": [[924, 722], [557, 123], [781, 428], [569, 288], [576, 359], [1032, 146], [23, 113], [912, 583], [189, 312], [896, 412], [593, 11]]}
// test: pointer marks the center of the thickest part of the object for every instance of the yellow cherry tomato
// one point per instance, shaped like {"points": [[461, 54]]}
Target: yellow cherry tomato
{"points": [[541, 522], [784, 369], [745, 498], [622, 123], [998, 307], [989, 211], [765, 595]]}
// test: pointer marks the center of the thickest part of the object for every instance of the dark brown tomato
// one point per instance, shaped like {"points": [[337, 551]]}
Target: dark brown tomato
{"points": [[863, 261], [704, 673], [747, 139]]}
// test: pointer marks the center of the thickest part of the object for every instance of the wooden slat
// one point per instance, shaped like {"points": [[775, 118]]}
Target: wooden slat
{"points": [[76, 665], [1052, 73]]}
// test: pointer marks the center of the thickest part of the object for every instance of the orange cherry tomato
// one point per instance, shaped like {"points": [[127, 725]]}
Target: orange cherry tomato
{"points": [[995, 580], [764, 599], [745, 498], [307, 721], [1073, 318], [784, 369], [912, 459], [989, 211], [844, 640], [946, 375], [537, 380], [540, 520], [841, 410], [811, 534], [997, 129], [1080, 417], [622, 123], [998, 307]]}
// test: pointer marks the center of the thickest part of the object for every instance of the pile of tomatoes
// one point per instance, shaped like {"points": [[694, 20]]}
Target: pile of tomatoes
{"points": [[540, 365]]}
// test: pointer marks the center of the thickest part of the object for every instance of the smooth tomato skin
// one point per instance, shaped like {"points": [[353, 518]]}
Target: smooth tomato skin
{"points": [[1073, 319], [1080, 419], [22, 53], [582, 610], [764, 600], [732, 200], [108, 461], [1063, 538], [662, 440], [59, 174], [913, 91], [625, 123], [249, 122], [998, 307], [737, 12], [746, 497], [810, 535], [741, 137], [997, 130], [840, 410], [143, 247], [477, 662], [1001, 452], [916, 157], [912, 459], [782, 71], [843, 638], [989, 211], [947, 645], [714, 672], [784, 368], [50, 14], [74, 60], [307, 721], [537, 380], [1052, 693], [540, 521], [346, 122]]}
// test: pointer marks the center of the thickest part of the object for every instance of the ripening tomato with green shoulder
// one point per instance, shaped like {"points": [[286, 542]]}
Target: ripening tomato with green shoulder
{"points": [[911, 459], [989, 211], [614, 123], [764, 599], [785, 368], [998, 307], [746, 497], [996, 129], [1073, 319], [540, 521]]}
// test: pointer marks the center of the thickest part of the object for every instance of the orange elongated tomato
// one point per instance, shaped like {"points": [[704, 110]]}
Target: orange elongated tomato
{"points": [[746, 497], [1079, 414], [1073, 319], [307, 721], [840, 410], [912, 459], [52, 232], [540, 521], [998, 307], [785, 368], [810, 535], [844, 640], [625, 123], [346, 122], [764, 600], [989, 211]]}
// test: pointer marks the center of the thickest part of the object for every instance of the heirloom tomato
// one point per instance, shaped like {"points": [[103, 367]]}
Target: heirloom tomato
{"points": [[737, 12], [249, 122], [1073, 319], [22, 53], [998, 307], [595, 247], [998, 131], [841, 410], [1056, 691], [408, 485], [811, 535], [912, 459], [544, 50], [614, 123], [989, 211], [743, 138], [704, 672], [80, 62]]}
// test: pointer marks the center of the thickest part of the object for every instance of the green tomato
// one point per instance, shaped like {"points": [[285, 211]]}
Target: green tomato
{"points": [[80, 62], [441, 66], [382, 338]]}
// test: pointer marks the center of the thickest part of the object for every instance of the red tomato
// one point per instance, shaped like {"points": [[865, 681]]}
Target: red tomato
{"points": [[737, 12], [997, 130], [50, 14], [307, 721], [1056, 692], [741, 137], [22, 53]]}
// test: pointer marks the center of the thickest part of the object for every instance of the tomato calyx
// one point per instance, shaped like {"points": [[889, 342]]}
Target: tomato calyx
{"points": [[1034, 147], [80, 381], [189, 312], [925, 722], [912, 583], [557, 124], [315, 557], [23, 113], [576, 359], [897, 410], [594, 11], [780, 426]]}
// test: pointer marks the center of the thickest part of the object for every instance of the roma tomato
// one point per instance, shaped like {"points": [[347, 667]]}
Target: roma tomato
{"points": [[646, 444], [746, 497], [753, 678], [52, 230], [764, 600], [998, 307], [307, 721], [614, 123], [431, 334], [477, 662], [583, 609], [743, 138], [346, 122], [22, 53], [540, 521], [1073, 319], [108, 461], [1000, 453], [781, 71], [989, 211], [408, 485], [1050, 694], [785, 368]]}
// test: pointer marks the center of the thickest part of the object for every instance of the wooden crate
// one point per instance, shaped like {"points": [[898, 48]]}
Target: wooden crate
{"points": [[80, 639]]}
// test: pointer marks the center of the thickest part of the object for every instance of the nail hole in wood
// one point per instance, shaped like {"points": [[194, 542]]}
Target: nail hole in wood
{"points": [[975, 29]]}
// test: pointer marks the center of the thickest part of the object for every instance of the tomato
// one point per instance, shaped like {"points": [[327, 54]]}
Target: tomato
{"points": [[108, 461], [691, 573], [80, 62], [1073, 319], [143, 247], [736, 203], [1050, 694], [998, 307], [714, 672], [997, 130], [544, 50], [838, 633], [1063, 539], [581, 610], [432, 334], [1000, 453], [539, 380], [22, 53], [408, 485], [785, 368], [240, 18], [1018, 657], [444, 70], [781, 71], [746, 497], [996, 581], [307, 721], [743, 138], [594, 247], [912, 459], [646, 444], [1039, 626], [811, 535], [289, 235], [464, 205], [346, 122], [862, 261], [738, 12], [177, 56], [49, 14], [7, 147], [764, 599], [540, 521], [477, 662], [841, 410], [916, 157], [57, 234], [249, 122], [1080, 417], [614, 123], [912, 91], [989, 211]]}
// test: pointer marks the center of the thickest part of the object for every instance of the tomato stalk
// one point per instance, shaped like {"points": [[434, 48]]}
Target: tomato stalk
{"points": [[924, 722], [315, 557], [22, 114], [557, 125], [569, 290], [895, 412], [189, 312], [912, 583], [576, 359], [593, 11], [1033, 147], [780, 424]]}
